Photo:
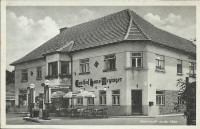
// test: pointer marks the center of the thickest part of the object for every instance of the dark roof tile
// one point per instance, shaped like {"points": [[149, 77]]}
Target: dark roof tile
{"points": [[124, 25]]}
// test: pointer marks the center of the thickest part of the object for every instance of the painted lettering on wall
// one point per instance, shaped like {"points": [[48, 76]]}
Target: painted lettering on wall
{"points": [[102, 81]]}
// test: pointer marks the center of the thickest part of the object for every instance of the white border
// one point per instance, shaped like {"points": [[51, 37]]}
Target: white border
{"points": [[5, 3]]}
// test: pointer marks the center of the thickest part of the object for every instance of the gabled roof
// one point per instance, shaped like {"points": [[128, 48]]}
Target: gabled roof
{"points": [[120, 26]]}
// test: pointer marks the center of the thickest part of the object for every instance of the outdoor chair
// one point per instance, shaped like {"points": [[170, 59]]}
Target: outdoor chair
{"points": [[98, 113], [74, 112], [88, 113], [80, 112], [105, 112]]}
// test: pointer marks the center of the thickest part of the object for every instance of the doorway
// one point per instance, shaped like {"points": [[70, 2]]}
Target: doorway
{"points": [[136, 101]]}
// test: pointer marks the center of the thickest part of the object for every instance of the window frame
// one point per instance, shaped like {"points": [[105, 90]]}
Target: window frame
{"points": [[24, 71], [137, 57], [39, 72], [158, 61], [67, 67], [179, 65], [107, 62], [50, 64], [84, 65], [161, 97], [192, 68], [114, 95], [79, 101], [102, 98], [88, 101]]}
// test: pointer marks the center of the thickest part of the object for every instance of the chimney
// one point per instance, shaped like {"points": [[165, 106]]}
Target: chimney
{"points": [[62, 29]]}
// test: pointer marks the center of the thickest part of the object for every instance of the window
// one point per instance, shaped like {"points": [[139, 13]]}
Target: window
{"points": [[90, 101], [79, 101], [24, 75], [192, 68], [136, 59], [53, 68], [102, 97], [160, 62], [65, 67], [39, 72], [180, 100], [110, 62], [160, 98], [84, 65], [179, 66], [115, 97]]}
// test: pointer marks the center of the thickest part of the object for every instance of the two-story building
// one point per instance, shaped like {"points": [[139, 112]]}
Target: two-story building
{"points": [[131, 66]]}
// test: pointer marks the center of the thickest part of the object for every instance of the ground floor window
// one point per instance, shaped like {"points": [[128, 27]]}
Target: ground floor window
{"points": [[79, 101], [90, 101], [102, 97], [116, 97], [160, 98]]}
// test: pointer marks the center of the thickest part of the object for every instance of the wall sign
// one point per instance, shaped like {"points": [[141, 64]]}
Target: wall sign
{"points": [[102, 81], [96, 64]]}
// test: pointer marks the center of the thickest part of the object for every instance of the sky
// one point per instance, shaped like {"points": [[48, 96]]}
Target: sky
{"points": [[29, 27]]}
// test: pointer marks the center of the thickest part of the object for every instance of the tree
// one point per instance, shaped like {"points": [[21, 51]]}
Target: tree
{"points": [[188, 94]]}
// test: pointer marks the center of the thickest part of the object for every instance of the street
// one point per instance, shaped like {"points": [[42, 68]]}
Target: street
{"points": [[17, 119]]}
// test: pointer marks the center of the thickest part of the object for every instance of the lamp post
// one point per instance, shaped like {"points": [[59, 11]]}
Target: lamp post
{"points": [[47, 99], [32, 99]]}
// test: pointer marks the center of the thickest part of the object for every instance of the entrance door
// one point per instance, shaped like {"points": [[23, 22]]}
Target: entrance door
{"points": [[136, 99], [22, 100]]}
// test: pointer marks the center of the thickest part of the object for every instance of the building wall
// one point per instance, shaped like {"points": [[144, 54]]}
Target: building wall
{"points": [[130, 78], [165, 80], [97, 55], [58, 57], [31, 66], [146, 79]]}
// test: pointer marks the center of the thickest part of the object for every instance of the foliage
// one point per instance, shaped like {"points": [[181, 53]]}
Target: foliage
{"points": [[10, 77]]}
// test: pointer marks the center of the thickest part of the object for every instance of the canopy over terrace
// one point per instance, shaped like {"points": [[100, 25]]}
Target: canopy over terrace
{"points": [[57, 94], [71, 95], [86, 94]]}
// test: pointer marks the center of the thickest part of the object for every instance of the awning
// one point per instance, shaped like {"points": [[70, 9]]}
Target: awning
{"points": [[86, 94], [71, 94], [57, 94]]}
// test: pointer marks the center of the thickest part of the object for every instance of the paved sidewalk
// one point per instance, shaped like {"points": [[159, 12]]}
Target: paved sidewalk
{"points": [[16, 119]]}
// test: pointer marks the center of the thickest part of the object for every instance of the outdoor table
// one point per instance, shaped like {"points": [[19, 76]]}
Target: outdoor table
{"points": [[97, 113], [88, 113], [35, 112]]}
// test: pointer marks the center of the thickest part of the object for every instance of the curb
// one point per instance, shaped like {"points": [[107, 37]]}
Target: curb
{"points": [[19, 112], [31, 119], [132, 117], [170, 115], [146, 116]]}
